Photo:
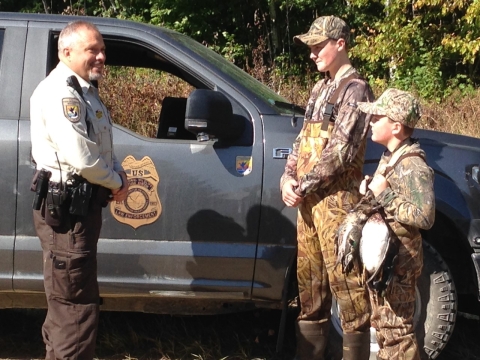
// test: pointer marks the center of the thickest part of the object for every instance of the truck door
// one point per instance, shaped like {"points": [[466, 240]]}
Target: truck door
{"points": [[190, 223], [12, 47]]}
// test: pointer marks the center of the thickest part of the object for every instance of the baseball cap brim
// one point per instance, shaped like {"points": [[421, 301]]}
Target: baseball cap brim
{"points": [[371, 108], [308, 39]]}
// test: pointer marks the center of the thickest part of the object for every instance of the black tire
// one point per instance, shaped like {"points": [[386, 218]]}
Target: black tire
{"points": [[435, 307], [437, 298]]}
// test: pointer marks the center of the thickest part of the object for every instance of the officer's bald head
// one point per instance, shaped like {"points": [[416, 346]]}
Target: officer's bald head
{"points": [[81, 48], [70, 34]]}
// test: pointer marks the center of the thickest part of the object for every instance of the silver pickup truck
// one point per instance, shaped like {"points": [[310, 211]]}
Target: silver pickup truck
{"points": [[204, 229]]}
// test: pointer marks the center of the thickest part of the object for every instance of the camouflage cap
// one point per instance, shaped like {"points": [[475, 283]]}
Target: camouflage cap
{"points": [[398, 105], [323, 28]]}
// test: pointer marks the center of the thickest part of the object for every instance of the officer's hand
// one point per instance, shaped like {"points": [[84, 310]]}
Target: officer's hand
{"points": [[121, 193], [289, 197], [378, 184]]}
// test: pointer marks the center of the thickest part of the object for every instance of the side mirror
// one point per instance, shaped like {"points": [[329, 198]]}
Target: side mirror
{"points": [[209, 115]]}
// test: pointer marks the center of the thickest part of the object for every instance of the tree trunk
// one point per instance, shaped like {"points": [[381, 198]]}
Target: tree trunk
{"points": [[45, 6], [274, 27]]}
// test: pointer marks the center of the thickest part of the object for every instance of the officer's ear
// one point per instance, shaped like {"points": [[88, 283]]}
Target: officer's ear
{"points": [[66, 52]]}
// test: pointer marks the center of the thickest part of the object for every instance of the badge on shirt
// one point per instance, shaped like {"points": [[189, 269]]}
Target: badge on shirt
{"points": [[71, 109], [98, 114]]}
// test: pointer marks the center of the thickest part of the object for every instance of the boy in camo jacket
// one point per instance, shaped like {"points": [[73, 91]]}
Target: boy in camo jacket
{"points": [[403, 186]]}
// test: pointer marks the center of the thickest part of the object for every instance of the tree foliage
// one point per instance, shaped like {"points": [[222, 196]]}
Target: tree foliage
{"points": [[431, 46]]}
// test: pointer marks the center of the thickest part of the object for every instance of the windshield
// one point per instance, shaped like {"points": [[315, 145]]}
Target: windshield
{"points": [[278, 102]]}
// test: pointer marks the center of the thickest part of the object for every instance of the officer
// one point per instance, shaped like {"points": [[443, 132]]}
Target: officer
{"points": [[77, 173], [322, 177]]}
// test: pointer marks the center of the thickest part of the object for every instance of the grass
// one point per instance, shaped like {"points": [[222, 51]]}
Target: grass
{"points": [[139, 336]]}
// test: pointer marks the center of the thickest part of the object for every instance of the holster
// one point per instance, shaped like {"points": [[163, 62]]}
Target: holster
{"points": [[102, 195], [56, 209]]}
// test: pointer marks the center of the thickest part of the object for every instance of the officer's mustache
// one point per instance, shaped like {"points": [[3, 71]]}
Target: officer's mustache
{"points": [[98, 64]]}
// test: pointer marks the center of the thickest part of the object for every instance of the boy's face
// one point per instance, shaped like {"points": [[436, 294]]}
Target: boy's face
{"points": [[324, 55], [382, 129]]}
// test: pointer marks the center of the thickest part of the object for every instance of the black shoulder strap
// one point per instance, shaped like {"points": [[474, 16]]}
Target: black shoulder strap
{"points": [[328, 113], [72, 81]]}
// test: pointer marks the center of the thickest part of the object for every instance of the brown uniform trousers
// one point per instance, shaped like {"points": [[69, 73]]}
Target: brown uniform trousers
{"points": [[392, 315], [71, 287]]}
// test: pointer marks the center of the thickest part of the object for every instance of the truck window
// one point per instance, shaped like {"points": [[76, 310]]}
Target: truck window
{"points": [[146, 101]]}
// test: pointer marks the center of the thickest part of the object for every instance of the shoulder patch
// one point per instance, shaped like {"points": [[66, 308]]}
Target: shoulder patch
{"points": [[71, 109]]}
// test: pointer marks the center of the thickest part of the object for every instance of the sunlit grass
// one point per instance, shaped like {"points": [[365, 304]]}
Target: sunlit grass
{"points": [[139, 336]]}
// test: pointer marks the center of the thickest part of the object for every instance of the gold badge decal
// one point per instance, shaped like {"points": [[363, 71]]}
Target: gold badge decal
{"points": [[142, 206], [244, 165]]}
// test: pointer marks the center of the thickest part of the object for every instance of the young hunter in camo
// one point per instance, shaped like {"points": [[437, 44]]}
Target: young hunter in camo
{"points": [[407, 197], [322, 177]]}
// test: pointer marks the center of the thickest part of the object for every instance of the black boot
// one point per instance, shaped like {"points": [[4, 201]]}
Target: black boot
{"points": [[356, 346], [312, 339]]}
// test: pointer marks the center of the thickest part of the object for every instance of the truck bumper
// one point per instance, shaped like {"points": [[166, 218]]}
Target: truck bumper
{"points": [[476, 262]]}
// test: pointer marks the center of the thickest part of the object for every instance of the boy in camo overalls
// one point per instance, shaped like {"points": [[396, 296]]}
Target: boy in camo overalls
{"points": [[403, 186], [322, 178]]}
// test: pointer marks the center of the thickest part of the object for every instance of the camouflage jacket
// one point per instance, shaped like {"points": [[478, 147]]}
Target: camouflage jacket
{"points": [[409, 202], [347, 135]]}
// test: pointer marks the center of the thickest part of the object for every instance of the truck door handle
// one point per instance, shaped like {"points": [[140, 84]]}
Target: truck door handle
{"points": [[281, 153]]}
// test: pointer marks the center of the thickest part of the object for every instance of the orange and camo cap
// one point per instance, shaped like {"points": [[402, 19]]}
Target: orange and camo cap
{"points": [[323, 28], [397, 105]]}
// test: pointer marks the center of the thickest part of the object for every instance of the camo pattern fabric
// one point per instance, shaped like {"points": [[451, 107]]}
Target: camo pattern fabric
{"points": [[323, 28], [320, 215], [323, 159], [409, 205], [398, 105], [328, 166]]}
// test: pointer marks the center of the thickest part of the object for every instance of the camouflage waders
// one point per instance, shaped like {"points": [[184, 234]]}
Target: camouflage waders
{"points": [[319, 217], [392, 315]]}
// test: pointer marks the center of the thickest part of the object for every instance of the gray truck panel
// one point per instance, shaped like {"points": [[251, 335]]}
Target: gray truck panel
{"points": [[11, 68], [11, 63]]}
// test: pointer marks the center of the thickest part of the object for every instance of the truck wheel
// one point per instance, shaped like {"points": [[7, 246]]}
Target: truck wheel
{"points": [[435, 307]]}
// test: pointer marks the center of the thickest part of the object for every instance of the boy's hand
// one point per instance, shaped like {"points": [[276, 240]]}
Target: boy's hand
{"points": [[363, 185], [378, 184], [289, 197]]}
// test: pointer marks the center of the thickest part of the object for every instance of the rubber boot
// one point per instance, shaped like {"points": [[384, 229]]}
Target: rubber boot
{"points": [[356, 346], [312, 337]]}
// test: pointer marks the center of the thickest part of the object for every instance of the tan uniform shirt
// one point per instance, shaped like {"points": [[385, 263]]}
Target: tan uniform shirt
{"points": [[61, 142]]}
